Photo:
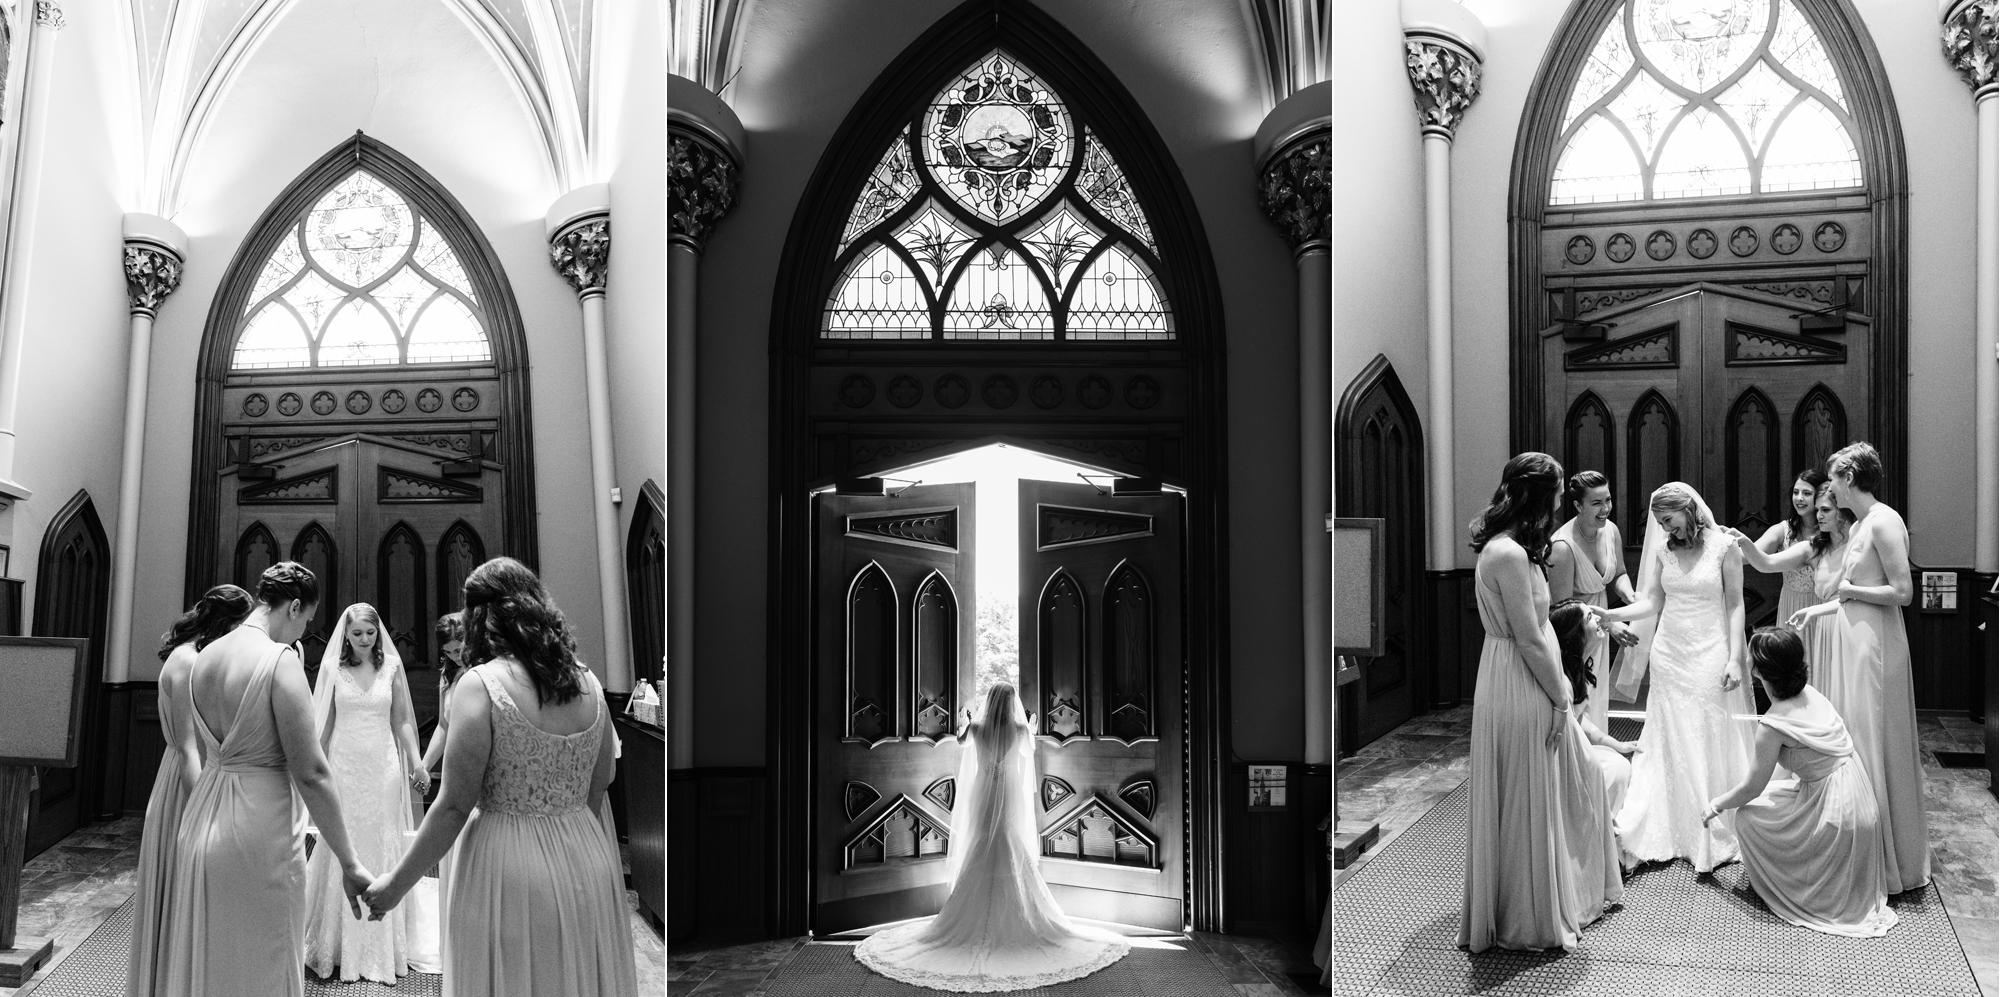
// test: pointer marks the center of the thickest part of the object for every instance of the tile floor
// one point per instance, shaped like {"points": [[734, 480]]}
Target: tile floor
{"points": [[1399, 777], [69, 890], [1254, 964]]}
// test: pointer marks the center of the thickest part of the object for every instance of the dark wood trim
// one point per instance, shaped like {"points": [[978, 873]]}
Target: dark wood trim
{"points": [[506, 332], [93, 760], [144, 745], [648, 623], [806, 270], [1380, 372], [1879, 139]]}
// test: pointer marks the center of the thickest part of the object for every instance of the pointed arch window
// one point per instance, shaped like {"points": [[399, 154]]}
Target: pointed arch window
{"points": [[362, 278], [1705, 99], [997, 214]]}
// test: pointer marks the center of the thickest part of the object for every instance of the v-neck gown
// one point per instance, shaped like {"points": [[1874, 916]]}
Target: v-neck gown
{"points": [[537, 901], [236, 914], [375, 803]]}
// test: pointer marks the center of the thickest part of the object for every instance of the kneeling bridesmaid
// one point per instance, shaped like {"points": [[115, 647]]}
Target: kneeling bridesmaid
{"points": [[1812, 845]]}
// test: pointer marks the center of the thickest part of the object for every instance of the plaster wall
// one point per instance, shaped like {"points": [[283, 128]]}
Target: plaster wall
{"points": [[1938, 134], [1190, 65], [412, 76]]}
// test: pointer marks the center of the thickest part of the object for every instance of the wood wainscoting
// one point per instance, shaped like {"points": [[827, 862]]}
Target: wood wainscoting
{"points": [[1458, 635], [718, 854], [1279, 869]]}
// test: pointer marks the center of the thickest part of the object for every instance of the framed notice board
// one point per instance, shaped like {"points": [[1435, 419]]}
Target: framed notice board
{"points": [[1358, 589], [41, 715]]}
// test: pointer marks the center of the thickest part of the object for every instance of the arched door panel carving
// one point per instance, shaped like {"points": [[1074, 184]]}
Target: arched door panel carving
{"points": [[1380, 474], [72, 599]]}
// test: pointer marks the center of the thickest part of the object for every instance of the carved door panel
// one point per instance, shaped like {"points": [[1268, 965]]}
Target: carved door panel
{"points": [[1715, 386], [1381, 477], [380, 521], [72, 600], [894, 642], [1101, 665]]}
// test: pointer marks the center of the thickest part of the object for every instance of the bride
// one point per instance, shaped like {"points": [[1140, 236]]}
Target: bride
{"points": [[361, 706], [1000, 929], [1700, 719]]}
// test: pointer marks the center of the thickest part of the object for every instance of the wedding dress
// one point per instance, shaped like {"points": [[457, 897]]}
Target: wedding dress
{"points": [[1000, 928], [1698, 737]]}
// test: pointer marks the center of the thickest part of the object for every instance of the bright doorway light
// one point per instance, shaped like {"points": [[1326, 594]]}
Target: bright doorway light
{"points": [[996, 471]]}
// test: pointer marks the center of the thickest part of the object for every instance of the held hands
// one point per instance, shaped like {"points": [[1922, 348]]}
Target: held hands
{"points": [[1625, 747], [354, 881], [420, 780], [1729, 679], [381, 897], [1621, 635]]}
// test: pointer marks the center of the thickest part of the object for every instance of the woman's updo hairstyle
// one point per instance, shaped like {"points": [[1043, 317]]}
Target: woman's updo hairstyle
{"points": [[1569, 619], [1671, 497], [285, 581], [358, 613], [1524, 504], [219, 611], [1779, 658], [1861, 461], [509, 613], [1580, 485]]}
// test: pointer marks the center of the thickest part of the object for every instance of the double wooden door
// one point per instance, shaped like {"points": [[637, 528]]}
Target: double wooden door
{"points": [[378, 520], [1101, 667], [1715, 386]]}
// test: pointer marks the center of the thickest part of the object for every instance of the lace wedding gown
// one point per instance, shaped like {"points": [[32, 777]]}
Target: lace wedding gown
{"points": [[1698, 738], [1000, 929], [375, 801]]}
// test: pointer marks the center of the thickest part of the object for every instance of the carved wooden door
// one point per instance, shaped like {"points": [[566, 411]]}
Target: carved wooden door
{"points": [[1381, 477], [72, 600], [894, 642], [379, 520], [1102, 667], [1715, 386]]}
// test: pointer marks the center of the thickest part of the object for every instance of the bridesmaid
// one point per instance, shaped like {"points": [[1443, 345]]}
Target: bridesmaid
{"points": [[236, 922], [1575, 635], [1822, 556], [1868, 665], [1587, 563], [1540, 859], [1812, 845], [1800, 527], [537, 899], [219, 611]]}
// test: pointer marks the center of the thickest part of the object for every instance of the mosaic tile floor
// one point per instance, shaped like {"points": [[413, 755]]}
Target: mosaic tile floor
{"points": [[1400, 777], [1203, 963], [73, 889], [1396, 933]]}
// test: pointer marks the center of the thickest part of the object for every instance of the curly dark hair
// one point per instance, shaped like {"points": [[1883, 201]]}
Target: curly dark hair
{"points": [[1795, 524], [218, 612], [363, 611], [1569, 618], [1779, 658], [288, 580], [1524, 504], [508, 612]]}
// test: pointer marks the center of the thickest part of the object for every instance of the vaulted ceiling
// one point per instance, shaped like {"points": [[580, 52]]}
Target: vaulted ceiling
{"points": [[188, 53]]}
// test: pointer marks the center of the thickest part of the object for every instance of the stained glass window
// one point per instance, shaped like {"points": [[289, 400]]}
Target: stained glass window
{"points": [[994, 214], [361, 279], [1705, 98]]}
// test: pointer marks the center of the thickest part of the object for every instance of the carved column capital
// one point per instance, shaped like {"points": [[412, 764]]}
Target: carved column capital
{"points": [[1971, 36], [1446, 80], [49, 13], [151, 273], [582, 254], [701, 188], [1295, 192]]}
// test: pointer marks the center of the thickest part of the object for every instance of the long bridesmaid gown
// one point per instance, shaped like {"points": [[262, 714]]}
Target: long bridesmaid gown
{"points": [[1540, 859], [537, 903], [236, 923], [1868, 681], [157, 849], [1798, 591], [1589, 586], [1822, 633], [1812, 844]]}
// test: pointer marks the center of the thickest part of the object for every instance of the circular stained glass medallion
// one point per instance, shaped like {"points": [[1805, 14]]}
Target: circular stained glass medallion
{"points": [[997, 139]]}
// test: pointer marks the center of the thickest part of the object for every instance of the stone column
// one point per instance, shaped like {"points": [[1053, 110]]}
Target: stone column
{"points": [[1294, 164], [1443, 44], [579, 229], [1970, 31], [154, 251], [27, 196], [704, 158]]}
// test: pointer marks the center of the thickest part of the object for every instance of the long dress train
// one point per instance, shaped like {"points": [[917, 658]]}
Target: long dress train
{"points": [[158, 850], [1540, 860], [375, 801], [1868, 681], [536, 901], [1811, 844], [1698, 738], [236, 921]]}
